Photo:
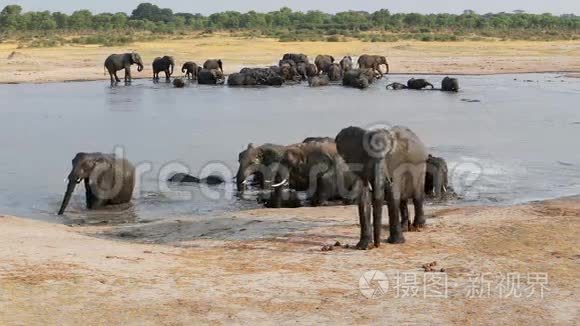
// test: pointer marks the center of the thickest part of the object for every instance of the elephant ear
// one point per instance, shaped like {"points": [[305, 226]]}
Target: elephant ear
{"points": [[250, 146]]}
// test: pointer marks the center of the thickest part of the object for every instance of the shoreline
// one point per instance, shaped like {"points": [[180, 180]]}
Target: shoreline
{"points": [[246, 266]]}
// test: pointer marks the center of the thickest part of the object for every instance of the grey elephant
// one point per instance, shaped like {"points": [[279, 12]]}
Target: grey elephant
{"points": [[214, 64], [178, 83], [450, 84], [318, 140], [358, 78], [373, 62], [108, 180], [391, 164], [259, 162], [322, 61], [334, 72], [318, 81], [346, 63], [241, 79], [165, 64], [210, 77], [307, 70], [116, 62], [437, 179], [296, 57], [315, 167], [288, 71], [187, 178], [257, 76], [418, 84], [191, 69], [396, 86]]}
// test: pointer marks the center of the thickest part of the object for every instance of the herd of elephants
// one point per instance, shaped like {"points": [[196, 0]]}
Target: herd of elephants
{"points": [[357, 166]]}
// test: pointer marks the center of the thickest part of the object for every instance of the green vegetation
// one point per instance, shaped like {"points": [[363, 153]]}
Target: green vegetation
{"points": [[284, 24]]}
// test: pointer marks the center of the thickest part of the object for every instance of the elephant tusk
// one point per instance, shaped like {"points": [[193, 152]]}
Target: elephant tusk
{"points": [[278, 185], [79, 180], [444, 189], [245, 182]]}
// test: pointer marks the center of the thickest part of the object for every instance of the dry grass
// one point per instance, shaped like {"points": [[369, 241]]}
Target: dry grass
{"points": [[84, 62]]}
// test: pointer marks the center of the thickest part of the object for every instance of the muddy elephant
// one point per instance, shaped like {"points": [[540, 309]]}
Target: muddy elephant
{"points": [[318, 140], [322, 61], [346, 63], [288, 71], [296, 57], [178, 83], [373, 62], [307, 70], [392, 165], [358, 78], [318, 81], [418, 84], [256, 76], [214, 64], [334, 72], [116, 62], [259, 162], [210, 77], [187, 178], [315, 167], [396, 86], [108, 180], [191, 69], [436, 178], [165, 64], [241, 79], [450, 84]]}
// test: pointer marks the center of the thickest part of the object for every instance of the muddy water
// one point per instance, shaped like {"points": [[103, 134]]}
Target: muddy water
{"points": [[508, 138]]}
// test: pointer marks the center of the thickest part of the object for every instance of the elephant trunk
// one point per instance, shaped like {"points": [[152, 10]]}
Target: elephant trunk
{"points": [[67, 195], [172, 66], [139, 66], [387, 64], [183, 69]]}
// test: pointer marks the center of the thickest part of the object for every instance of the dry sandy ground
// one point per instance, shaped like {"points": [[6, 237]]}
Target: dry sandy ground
{"points": [[486, 57], [267, 267]]}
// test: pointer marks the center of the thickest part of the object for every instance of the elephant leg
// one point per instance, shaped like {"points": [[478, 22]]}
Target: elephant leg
{"points": [[378, 202], [404, 208], [437, 184], [393, 203], [419, 220], [117, 79], [323, 191], [127, 74], [364, 215], [167, 74]]}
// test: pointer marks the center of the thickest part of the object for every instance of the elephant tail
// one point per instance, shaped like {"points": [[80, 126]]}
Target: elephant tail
{"points": [[104, 70]]}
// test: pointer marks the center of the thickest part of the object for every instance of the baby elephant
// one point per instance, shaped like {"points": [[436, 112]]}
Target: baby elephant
{"points": [[418, 83], [397, 86], [108, 180], [178, 83], [449, 84], [165, 64], [191, 69], [317, 81]]}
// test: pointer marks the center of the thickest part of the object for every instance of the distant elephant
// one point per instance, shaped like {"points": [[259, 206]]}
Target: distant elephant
{"points": [[391, 164], [258, 76], [186, 178], [334, 72], [373, 62], [450, 84], [178, 83], [418, 83], [318, 81], [165, 64], [108, 180], [307, 70], [260, 162], [296, 57], [346, 64], [287, 71], [358, 78], [397, 86], [241, 79], [210, 77], [315, 167], [214, 64], [318, 140], [191, 70], [323, 61], [116, 62]]}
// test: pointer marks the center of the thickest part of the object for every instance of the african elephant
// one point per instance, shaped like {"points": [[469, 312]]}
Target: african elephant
{"points": [[391, 164], [436, 178], [116, 62], [259, 162], [450, 84], [191, 70], [373, 62], [258, 76], [214, 64], [306, 70], [178, 83], [396, 86], [296, 57], [288, 71], [346, 64], [334, 72], [165, 64], [318, 81], [186, 178], [108, 180], [358, 78], [317, 168], [210, 77], [318, 140], [322, 61], [418, 83], [241, 79]]}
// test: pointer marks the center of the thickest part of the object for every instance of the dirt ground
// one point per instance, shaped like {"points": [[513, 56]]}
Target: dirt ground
{"points": [[267, 267], [486, 57]]}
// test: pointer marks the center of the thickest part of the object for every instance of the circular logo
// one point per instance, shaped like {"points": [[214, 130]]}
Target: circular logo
{"points": [[376, 141], [373, 284]]}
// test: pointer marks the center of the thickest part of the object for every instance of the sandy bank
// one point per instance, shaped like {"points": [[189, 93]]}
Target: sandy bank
{"points": [[266, 266], [86, 62]]}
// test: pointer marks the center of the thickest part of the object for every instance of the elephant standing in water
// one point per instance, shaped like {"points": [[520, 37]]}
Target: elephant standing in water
{"points": [[260, 162], [334, 72], [450, 84], [210, 77], [323, 61], [165, 64], [318, 81], [214, 64], [346, 64], [373, 62], [358, 78], [391, 164], [191, 70], [418, 84], [108, 180], [116, 62], [296, 57]]}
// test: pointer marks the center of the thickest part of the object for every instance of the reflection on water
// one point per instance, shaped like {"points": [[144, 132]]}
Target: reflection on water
{"points": [[509, 141]]}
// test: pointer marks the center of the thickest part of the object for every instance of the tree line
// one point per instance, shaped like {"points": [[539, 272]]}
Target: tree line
{"points": [[149, 17]]}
